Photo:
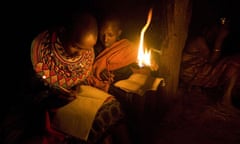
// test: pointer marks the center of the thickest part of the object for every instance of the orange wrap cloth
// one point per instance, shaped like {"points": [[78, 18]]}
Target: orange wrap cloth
{"points": [[120, 54]]}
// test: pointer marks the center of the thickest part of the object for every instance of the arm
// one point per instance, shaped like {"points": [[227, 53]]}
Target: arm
{"points": [[222, 34], [123, 57], [121, 53]]}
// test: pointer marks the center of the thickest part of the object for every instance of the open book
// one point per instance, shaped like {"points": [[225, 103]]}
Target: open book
{"points": [[139, 83], [76, 118]]}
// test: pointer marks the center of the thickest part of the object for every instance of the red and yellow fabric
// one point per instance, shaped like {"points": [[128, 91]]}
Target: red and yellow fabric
{"points": [[51, 62]]}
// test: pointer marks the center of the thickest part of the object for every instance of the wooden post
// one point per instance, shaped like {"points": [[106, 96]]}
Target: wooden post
{"points": [[175, 16]]}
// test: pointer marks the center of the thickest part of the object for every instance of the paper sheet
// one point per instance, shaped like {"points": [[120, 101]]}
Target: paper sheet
{"points": [[76, 118]]}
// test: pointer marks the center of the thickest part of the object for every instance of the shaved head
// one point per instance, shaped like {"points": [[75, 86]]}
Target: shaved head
{"points": [[82, 31]]}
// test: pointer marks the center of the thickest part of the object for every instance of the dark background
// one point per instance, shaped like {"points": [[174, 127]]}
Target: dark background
{"points": [[22, 21]]}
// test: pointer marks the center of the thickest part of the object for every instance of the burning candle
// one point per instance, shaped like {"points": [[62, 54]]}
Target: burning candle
{"points": [[44, 77], [144, 55]]}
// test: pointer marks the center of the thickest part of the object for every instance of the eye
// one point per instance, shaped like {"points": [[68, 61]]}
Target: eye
{"points": [[110, 35], [76, 46]]}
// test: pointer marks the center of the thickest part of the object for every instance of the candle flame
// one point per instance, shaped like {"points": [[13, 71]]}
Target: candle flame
{"points": [[144, 55], [44, 77]]}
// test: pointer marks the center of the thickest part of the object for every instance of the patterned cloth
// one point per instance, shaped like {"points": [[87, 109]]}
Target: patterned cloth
{"points": [[51, 62], [108, 116], [197, 71], [52, 65]]}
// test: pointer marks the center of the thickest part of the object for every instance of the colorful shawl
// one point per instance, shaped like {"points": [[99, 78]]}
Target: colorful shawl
{"points": [[51, 62]]}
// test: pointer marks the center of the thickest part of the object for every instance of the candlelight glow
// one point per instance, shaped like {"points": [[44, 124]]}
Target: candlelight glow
{"points": [[144, 55], [44, 77]]}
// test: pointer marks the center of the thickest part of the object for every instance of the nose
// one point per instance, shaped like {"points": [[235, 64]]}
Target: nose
{"points": [[105, 39]]}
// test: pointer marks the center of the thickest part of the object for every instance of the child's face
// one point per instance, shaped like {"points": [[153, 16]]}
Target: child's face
{"points": [[109, 33]]}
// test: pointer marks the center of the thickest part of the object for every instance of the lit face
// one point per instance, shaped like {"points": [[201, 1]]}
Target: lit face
{"points": [[75, 50], [85, 43], [109, 33]]}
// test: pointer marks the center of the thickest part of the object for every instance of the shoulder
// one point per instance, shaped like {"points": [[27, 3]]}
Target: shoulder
{"points": [[125, 42], [195, 44], [41, 35], [197, 41]]}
